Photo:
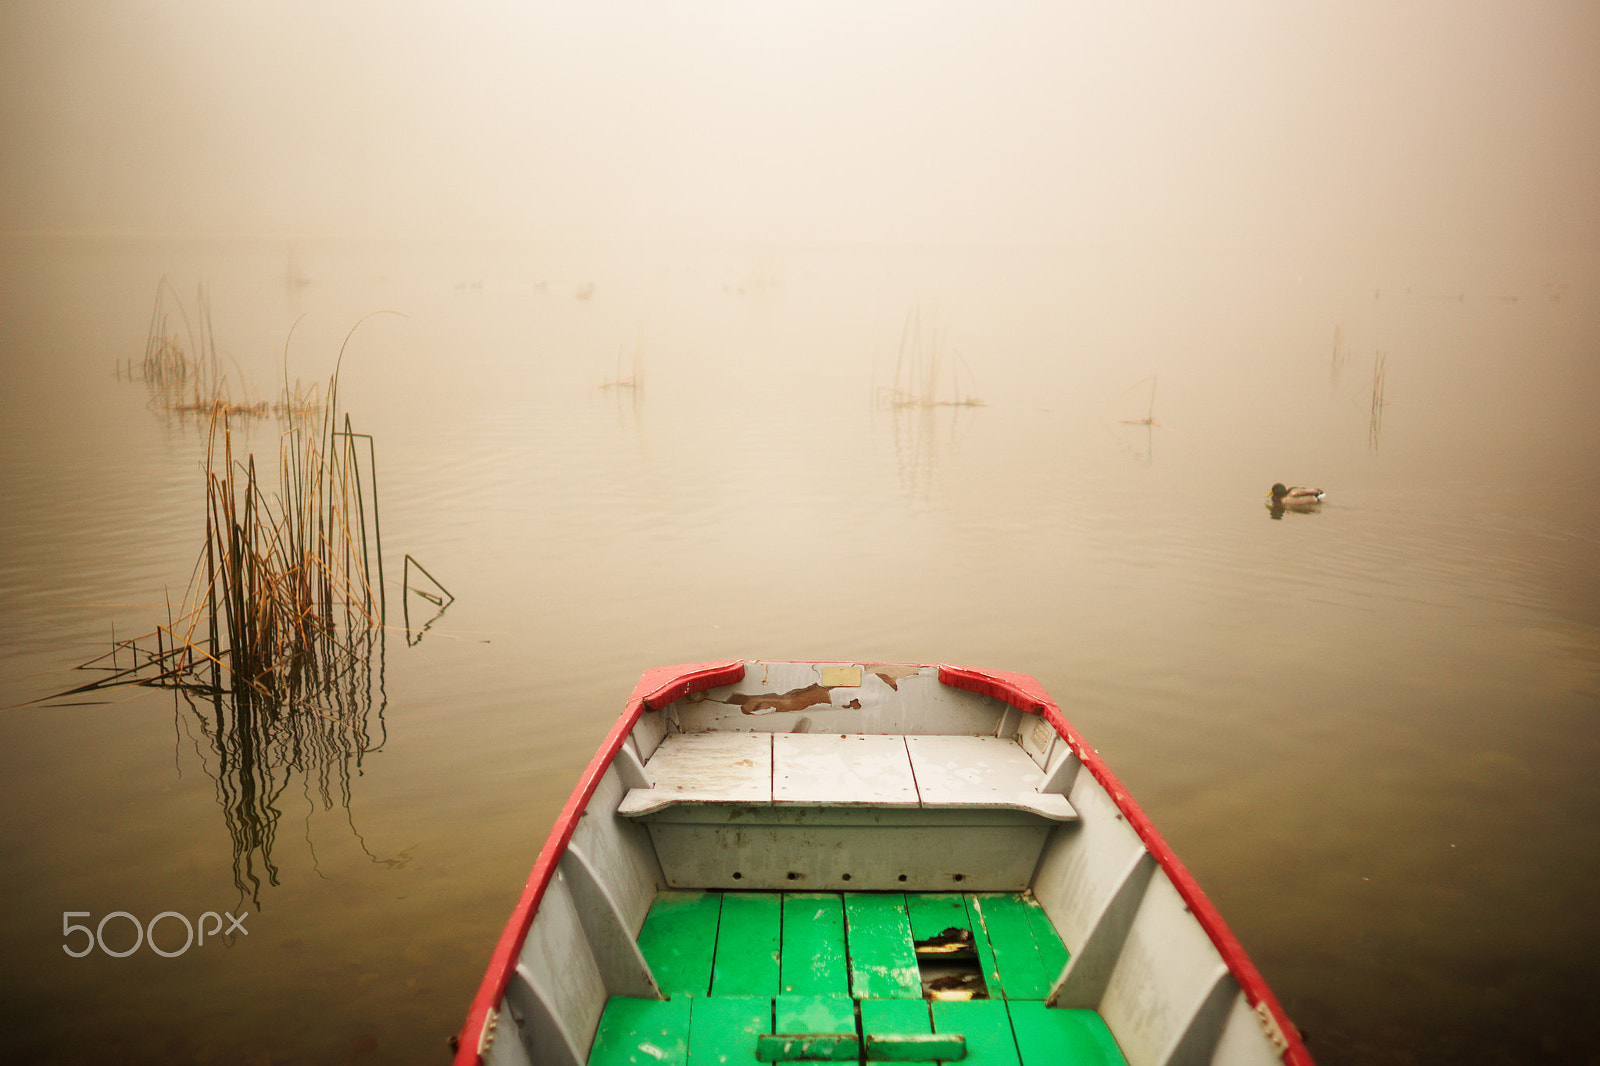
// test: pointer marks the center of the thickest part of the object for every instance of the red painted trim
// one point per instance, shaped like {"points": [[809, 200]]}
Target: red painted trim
{"points": [[655, 690], [1020, 690], [661, 686], [1026, 694]]}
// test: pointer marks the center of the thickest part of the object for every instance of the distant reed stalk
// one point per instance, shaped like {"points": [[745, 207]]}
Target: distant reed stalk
{"points": [[1380, 363], [171, 358]]}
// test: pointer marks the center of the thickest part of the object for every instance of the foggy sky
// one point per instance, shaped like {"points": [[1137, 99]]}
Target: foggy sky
{"points": [[1470, 124]]}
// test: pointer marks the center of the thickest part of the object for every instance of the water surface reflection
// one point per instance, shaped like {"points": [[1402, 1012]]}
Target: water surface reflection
{"points": [[1344, 722]]}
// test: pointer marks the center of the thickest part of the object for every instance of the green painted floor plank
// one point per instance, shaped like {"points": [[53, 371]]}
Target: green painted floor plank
{"points": [[746, 962], [932, 913], [1018, 949], [883, 1017], [814, 960], [814, 1014], [1046, 1036], [678, 938], [882, 962], [1053, 954], [987, 1027], [723, 1029], [653, 1031], [808, 1014], [1006, 920], [986, 959]]}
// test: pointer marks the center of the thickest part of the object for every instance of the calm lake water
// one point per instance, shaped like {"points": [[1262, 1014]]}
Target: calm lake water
{"points": [[1371, 732]]}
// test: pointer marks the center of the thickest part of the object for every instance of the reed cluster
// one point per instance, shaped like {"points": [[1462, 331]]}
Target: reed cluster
{"points": [[183, 369], [289, 581], [277, 645], [920, 368], [278, 648], [173, 359], [288, 578]]}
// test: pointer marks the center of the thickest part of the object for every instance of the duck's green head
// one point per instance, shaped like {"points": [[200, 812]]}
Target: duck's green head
{"points": [[1280, 489]]}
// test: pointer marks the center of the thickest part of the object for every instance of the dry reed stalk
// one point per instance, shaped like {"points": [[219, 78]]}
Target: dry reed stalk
{"points": [[301, 400], [442, 600]]}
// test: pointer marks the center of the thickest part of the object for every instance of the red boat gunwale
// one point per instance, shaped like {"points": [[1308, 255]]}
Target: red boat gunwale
{"points": [[655, 690], [1027, 695], [661, 686]]}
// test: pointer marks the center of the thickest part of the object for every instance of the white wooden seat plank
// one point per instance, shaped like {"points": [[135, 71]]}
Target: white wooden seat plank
{"points": [[728, 769], [851, 770], [976, 772], [705, 768]]}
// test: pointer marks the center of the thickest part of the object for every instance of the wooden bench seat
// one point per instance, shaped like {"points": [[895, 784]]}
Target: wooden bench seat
{"points": [[863, 771]]}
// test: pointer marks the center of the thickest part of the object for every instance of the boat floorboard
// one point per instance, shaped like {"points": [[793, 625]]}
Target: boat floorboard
{"points": [[843, 970]]}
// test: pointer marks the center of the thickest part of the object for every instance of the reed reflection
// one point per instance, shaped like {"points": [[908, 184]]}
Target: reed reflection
{"points": [[921, 434], [923, 367], [321, 734], [1375, 408]]}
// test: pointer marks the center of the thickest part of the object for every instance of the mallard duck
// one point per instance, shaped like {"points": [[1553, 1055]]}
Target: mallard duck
{"points": [[1294, 496]]}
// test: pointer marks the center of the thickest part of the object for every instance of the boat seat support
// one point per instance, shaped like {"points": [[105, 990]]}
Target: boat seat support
{"points": [[536, 1025], [1194, 1045], [616, 953], [1083, 981]]}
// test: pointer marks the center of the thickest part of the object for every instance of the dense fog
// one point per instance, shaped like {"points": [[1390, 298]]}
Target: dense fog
{"points": [[1464, 125]]}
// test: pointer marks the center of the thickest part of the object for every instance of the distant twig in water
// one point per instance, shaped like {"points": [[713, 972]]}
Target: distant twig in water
{"points": [[634, 380], [1150, 417], [441, 601]]}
